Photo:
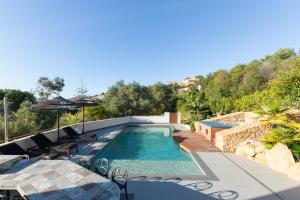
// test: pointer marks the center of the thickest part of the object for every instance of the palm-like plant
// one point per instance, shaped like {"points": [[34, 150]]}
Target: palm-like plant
{"points": [[295, 149], [284, 134], [272, 109]]}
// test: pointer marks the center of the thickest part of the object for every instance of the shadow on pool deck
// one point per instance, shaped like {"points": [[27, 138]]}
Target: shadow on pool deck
{"points": [[177, 189], [149, 190], [155, 191], [170, 190]]}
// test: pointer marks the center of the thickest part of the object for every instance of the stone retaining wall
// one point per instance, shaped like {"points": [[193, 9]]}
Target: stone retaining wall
{"points": [[228, 139], [233, 117], [236, 117]]}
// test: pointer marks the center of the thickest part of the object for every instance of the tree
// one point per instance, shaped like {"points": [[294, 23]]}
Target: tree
{"points": [[164, 98], [251, 80], [193, 106], [82, 90], [134, 99], [95, 112], [218, 90], [287, 83], [46, 119], [267, 71], [23, 121], [47, 87], [284, 54], [15, 98], [127, 99]]}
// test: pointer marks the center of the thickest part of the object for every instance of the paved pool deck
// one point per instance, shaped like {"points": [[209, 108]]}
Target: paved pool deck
{"points": [[238, 178], [87, 150]]}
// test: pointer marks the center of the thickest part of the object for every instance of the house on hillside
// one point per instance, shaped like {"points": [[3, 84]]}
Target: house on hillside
{"points": [[186, 84]]}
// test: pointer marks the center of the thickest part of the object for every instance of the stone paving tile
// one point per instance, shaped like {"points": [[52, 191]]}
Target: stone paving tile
{"points": [[21, 177], [83, 172], [47, 182], [29, 188], [11, 176]]}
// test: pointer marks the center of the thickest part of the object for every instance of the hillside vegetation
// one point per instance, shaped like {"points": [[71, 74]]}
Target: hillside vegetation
{"points": [[271, 83]]}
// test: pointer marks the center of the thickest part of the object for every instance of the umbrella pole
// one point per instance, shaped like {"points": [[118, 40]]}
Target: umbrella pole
{"points": [[83, 118], [57, 118]]}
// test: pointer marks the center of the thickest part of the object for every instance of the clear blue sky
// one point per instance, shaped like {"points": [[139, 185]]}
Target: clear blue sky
{"points": [[103, 41]]}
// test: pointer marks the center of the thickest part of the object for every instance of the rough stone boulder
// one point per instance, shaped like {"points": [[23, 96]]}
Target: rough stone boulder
{"points": [[259, 147], [294, 171], [261, 158], [245, 149], [249, 148], [280, 158]]}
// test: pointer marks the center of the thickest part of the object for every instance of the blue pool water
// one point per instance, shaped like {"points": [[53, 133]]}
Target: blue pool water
{"points": [[149, 151], [216, 124]]}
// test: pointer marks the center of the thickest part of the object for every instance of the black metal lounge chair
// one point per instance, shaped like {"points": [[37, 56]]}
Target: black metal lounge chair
{"points": [[72, 134], [14, 149], [119, 176], [45, 143], [84, 162]]}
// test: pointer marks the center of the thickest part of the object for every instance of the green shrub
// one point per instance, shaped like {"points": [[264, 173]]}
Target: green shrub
{"points": [[23, 121], [283, 130]]}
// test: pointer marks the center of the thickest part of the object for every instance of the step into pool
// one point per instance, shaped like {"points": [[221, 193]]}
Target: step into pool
{"points": [[149, 151]]}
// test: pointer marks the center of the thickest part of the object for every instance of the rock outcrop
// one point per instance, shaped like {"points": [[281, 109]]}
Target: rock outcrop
{"points": [[253, 150], [294, 171], [261, 158], [280, 158], [245, 149]]}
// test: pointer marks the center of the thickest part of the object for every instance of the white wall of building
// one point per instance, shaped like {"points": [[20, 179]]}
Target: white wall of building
{"points": [[160, 119]]}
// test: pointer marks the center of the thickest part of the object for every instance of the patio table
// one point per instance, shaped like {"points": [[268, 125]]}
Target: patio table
{"points": [[56, 179]]}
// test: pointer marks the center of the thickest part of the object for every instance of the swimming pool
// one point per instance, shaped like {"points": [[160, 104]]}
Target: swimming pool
{"points": [[149, 151]]}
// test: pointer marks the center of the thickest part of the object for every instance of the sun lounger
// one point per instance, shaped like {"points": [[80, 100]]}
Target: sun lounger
{"points": [[45, 143], [72, 134], [14, 149]]}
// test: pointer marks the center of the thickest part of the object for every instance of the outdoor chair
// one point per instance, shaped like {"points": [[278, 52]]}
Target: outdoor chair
{"points": [[45, 143], [11, 194], [84, 162], [119, 176], [101, 167], [72, 134], [14, 149]]}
